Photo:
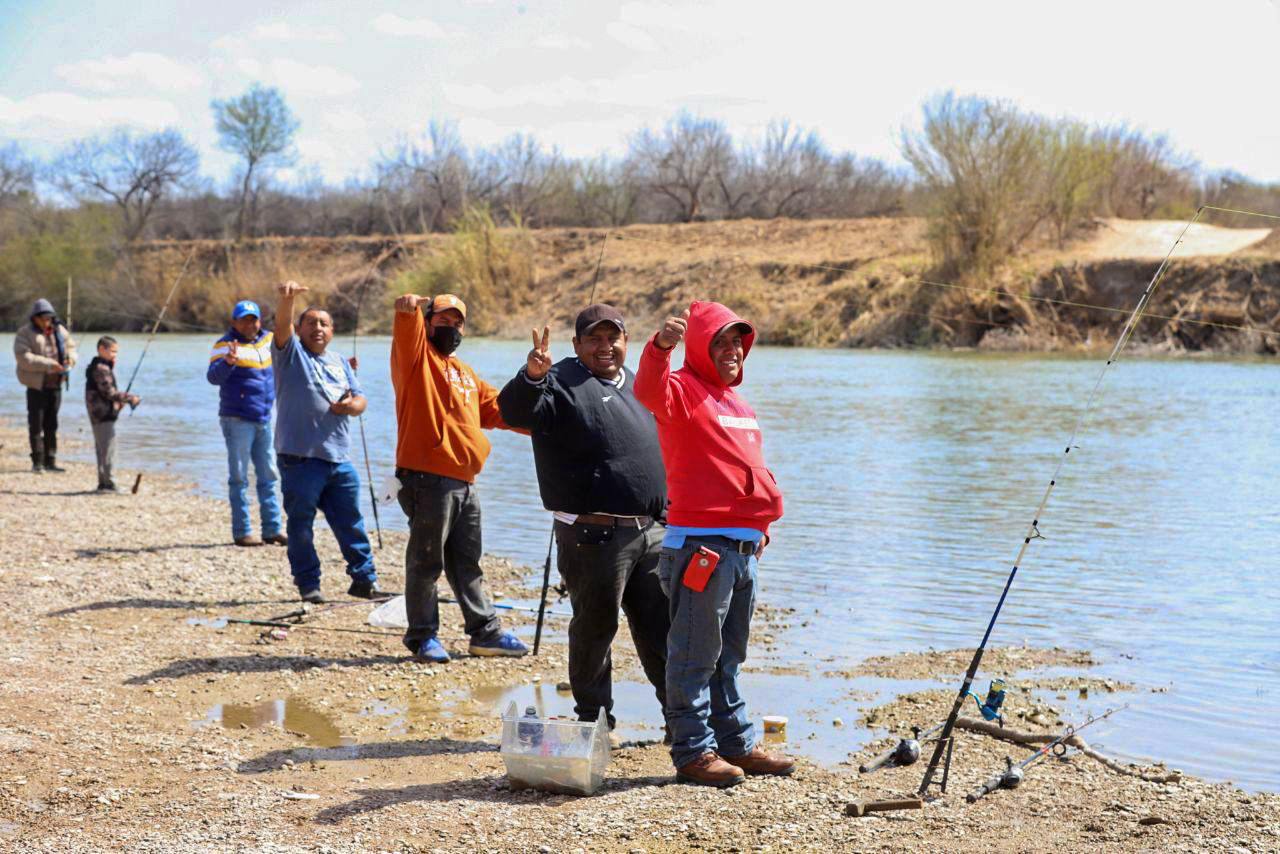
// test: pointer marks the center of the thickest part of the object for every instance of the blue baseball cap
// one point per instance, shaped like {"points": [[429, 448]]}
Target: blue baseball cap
{"points": [[245, 307]]}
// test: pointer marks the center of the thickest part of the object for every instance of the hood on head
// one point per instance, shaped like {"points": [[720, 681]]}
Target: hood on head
{"points": [[41, 306], [706, 319]]}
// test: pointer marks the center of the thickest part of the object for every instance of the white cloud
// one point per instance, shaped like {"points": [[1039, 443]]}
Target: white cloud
{"points": [[344, 120], [284, 31], [298, 78], [137, 70], [631, 36], [59, 116], [391, 24], [561, 41]]}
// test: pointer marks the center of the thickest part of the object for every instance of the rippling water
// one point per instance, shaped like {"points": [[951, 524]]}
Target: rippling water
{"points": [[909, 479]]}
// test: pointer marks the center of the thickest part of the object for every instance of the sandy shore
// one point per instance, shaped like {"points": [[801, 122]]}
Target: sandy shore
{"points": [[103, 675]]}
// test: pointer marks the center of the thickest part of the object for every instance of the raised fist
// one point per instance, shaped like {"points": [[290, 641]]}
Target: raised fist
{"points": [[409, 302], [672, 332], [291, 289]]}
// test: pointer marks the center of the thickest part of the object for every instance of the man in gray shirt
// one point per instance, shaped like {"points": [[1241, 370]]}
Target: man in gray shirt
{"points": [[316, 394]]}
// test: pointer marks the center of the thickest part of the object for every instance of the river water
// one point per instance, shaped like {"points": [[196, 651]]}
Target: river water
{"points": [[909, 480]]}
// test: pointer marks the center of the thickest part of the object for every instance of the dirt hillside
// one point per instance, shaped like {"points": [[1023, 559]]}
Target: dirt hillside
{"points": [[854, 283]]}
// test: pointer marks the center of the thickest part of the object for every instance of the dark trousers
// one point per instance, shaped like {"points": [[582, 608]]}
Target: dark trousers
{"points": [[42, 422], [606, 568], [444, 537]]}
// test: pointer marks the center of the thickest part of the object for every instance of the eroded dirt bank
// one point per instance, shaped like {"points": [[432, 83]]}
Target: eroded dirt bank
{"points": [[125, 726]]}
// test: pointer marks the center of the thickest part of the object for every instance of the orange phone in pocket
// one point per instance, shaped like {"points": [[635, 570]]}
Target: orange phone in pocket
{"points": [[698, 571]]}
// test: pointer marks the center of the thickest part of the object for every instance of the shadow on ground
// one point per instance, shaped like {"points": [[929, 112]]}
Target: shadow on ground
{"points": [[491, 789], [378, 750], [254, 664], [92, 553], [163, 604]]}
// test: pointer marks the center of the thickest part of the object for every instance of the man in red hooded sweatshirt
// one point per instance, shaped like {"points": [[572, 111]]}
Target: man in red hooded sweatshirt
{"points": [[722, 500]]}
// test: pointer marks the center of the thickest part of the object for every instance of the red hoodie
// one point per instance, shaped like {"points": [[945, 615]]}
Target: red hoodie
{"points": [[711, 443]]}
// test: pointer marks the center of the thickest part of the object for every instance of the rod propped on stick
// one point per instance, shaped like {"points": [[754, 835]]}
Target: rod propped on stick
{"points": [[1033, 530]]}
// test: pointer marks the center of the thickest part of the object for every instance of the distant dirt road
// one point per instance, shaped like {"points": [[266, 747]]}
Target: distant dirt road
{"points": [[1125, 238]]}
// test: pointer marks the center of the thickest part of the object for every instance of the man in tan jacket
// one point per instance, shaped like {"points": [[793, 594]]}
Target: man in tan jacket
{"points": [[44, 352]]}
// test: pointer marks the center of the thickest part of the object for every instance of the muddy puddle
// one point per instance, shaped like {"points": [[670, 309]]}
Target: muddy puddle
{"points": [[293, 715], [822, 714]]}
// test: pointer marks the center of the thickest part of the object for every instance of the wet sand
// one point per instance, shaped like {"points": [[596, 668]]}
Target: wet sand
{"points": [[125, 725]]}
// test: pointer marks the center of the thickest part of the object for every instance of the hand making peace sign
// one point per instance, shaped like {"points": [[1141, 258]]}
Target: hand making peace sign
{"points": [[539, 362]]}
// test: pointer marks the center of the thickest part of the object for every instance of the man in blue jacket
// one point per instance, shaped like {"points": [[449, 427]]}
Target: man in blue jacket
{"points": [[240, 365]]}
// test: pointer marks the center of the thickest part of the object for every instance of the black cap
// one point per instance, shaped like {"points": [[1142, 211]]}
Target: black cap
{"points": [[597, 313]]}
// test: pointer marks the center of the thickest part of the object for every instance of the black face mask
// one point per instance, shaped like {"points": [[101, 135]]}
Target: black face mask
{"points": [[446, 339]]}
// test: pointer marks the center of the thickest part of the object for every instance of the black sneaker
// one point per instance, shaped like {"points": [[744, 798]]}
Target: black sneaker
{"points": [[368, 590], [50, 465], [37, 466], [314, 596]]}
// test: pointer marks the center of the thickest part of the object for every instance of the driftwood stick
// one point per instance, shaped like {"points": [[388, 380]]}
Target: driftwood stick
{"points": [[1018, 736]]}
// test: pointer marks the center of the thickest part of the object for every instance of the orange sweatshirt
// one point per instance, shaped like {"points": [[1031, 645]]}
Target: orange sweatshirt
{"points": [[442, 407]]}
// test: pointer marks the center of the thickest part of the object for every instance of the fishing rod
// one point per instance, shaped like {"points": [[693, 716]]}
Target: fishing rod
{"points": [[66, 377], [546, 567], [368, 470], [156, 327], [303, 613], [1012, 775], [944, 742]]}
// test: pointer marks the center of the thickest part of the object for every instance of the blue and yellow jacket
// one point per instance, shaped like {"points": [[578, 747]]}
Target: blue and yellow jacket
{"points": [[246, 389]]}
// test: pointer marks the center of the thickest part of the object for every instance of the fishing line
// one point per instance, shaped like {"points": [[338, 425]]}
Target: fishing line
{"points": [[1033, 531], [546, 567], [368, 470], [156, 327]]}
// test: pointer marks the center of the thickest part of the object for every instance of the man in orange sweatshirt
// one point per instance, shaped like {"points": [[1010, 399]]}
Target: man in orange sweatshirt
{"points": [[442, 409]]}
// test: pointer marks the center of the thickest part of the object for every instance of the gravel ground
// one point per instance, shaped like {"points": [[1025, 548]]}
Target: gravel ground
{"points": [[102, 676]]}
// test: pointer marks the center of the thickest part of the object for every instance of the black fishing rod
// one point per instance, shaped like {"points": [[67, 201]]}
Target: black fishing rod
{"points": [[368, 471], [156, 327], [944, 743], [1011, 776], [546, 567]]}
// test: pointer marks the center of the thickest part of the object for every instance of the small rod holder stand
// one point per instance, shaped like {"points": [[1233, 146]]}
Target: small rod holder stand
{"points": [[946, 768]]}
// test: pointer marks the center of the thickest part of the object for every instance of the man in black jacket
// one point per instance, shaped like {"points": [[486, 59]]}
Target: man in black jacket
{"points": [[600, 473]]}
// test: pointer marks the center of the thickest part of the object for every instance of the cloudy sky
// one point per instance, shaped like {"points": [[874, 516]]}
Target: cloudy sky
{"points": [[584, 74]]}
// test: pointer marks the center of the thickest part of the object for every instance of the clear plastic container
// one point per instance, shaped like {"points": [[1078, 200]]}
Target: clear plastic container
{"points": [[561, 756]]}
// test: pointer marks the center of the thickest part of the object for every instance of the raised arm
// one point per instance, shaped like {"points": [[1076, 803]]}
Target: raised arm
{"points": [[408, 337], [526, 401], [284, 311], [655, 388]]}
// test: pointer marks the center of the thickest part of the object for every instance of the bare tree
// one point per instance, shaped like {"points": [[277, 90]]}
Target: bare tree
{"points": [[793, 167], [424, 185], [533, 178], [1074, 169], [1144, 173], [132, 171], [260, 127], [981, 162], [680, 162], [17, 172], [605, 192]]}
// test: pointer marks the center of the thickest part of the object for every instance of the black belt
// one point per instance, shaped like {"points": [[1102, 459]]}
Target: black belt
{"points": [[742, 547], [613, 521]]}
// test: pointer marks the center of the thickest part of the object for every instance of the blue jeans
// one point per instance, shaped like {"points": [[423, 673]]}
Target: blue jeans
{"points": [[251, 440], [311, 484], [705, 650]]}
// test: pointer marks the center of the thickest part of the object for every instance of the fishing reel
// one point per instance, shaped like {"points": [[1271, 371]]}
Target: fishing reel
{"points": [[905, 752], [990, 707]]}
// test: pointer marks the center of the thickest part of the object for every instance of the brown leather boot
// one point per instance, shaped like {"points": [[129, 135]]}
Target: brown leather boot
{"points": [[759, 762], [710, 770]]}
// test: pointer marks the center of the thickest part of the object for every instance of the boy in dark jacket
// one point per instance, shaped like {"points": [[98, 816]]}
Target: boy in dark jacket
{"points": [[104, 402]]}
